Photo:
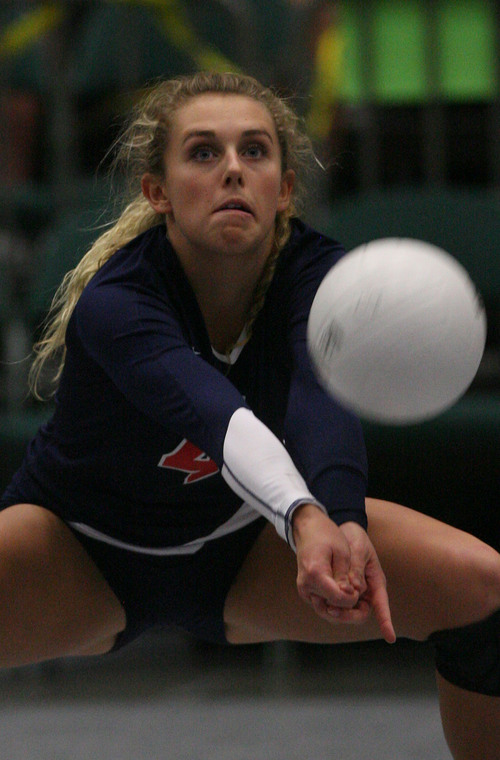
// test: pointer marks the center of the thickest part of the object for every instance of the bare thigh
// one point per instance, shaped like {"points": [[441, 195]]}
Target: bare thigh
{"points": [[53, 600], [437, 577]]}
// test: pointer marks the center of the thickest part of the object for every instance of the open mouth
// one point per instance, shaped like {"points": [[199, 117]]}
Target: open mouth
{"points": [[235, 205]]}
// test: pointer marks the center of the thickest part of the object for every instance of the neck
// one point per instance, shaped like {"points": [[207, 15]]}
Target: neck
{"points": [[225, 305], [224, 287]]}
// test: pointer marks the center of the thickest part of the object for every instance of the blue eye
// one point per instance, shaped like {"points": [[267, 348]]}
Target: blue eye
{"points": [[203, 153], [255, 150]]}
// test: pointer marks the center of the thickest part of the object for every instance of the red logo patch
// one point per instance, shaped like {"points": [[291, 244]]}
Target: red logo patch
{"points": [[189, 458]]}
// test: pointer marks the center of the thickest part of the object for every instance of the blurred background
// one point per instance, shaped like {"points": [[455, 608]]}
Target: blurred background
{"points": [[402, 100]]}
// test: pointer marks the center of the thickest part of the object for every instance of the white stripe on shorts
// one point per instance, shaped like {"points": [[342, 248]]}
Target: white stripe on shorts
{"points": [[244, 516]]}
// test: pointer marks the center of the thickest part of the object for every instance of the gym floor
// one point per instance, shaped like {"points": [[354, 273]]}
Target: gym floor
{"points": [[166, 696]]}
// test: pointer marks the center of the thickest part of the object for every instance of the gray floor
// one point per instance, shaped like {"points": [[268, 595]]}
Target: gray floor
{"points": [[168, 697]]}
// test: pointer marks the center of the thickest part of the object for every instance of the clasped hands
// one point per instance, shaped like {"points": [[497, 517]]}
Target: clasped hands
{"points": [[339, 572]]}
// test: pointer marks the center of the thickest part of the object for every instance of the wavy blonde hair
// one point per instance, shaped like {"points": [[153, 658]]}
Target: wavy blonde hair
{"points": [[140, 149]]}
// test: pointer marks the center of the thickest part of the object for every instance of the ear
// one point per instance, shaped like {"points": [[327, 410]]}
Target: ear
{"points": [[154, 191], [287, 185]]}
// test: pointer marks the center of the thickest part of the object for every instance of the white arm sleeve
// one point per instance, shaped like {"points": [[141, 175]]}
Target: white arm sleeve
{"points": [[259, 469]]}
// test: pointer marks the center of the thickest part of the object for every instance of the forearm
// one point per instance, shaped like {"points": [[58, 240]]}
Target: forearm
{"points": [[260, 470], [326, 443]]}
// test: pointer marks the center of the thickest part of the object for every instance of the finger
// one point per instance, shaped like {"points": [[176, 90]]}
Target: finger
{"points": [[358, 544], [380, 604], [340, 571], [358, 614], [329, 593], [382, 612], [320, 607], [318, 604], [355, 616], [357, 577], [317, 578]]}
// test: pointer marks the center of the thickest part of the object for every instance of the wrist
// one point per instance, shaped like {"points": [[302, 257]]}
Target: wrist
{"points": [[303, 516]]}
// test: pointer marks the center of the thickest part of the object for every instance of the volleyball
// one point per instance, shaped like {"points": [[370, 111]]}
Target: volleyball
{"points": [[396, 331]]}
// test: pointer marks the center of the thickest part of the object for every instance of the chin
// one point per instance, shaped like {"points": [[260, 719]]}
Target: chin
{"points": [[237, 240], [233, 241]]}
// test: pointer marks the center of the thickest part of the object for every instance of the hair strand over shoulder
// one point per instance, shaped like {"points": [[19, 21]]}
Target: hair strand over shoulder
{"points": [[140, 149]]}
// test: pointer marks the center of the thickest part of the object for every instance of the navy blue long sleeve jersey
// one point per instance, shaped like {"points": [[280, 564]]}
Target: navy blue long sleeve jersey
{"points": [[138, 444]]}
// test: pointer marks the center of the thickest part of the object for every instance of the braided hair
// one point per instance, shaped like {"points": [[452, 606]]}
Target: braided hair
{"points": [[140, 149]]}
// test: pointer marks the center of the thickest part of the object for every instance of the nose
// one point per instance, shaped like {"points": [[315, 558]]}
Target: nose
{"points": [[233, 168]]}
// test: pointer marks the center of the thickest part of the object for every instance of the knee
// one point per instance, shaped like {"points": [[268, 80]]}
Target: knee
{"points": [[469, 655], [28, 535], [483, 564]]}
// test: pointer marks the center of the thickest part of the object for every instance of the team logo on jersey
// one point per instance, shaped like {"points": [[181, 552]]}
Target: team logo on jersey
{"points": [[189, 458]]}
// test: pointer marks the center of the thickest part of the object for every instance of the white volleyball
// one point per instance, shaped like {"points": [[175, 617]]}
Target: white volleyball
{"points": [[397, 331]]}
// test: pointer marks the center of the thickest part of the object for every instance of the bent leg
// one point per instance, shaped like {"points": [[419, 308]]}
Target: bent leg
{"points": [[471, 722], [437, 577], [53, 600]]}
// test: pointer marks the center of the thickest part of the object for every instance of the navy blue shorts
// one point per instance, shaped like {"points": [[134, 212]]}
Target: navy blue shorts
{"points": [[185, 591], [188, 592]]}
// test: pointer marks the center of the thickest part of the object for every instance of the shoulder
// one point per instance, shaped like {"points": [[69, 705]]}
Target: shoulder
{"points": [[138, 283], [136, 260], [141, 266], [306, 245], [308, 253]]}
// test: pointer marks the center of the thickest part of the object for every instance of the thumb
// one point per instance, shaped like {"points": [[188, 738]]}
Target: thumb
{"points": [[341, 571]]}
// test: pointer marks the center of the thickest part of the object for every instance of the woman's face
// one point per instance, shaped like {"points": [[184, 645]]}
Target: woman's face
{"points": [[223, 180]]}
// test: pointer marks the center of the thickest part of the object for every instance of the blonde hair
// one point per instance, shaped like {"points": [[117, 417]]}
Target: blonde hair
{"points": [[140, 149]]}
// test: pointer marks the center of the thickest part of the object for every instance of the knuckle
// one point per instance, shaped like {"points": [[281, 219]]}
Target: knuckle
{"points": [[304, 588], [302, 591], [313, 572]]}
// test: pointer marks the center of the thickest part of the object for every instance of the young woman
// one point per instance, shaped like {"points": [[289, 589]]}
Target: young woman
{"points": [[194, 473]]}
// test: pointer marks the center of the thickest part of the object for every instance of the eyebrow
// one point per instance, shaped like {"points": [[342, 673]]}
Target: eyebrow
{"points": [[209, 133]]}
